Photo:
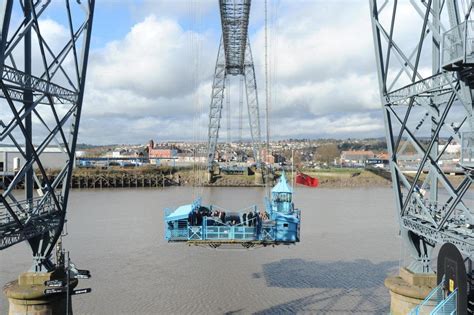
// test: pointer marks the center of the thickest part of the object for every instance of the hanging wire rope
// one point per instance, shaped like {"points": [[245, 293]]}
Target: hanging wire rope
{"points": [[193, 52], [228, 107], [196, 51], [200, 104], [267, 88], [241, 106], [273, 60]]}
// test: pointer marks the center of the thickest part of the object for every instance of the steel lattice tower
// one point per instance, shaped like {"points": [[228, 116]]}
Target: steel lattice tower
{"points": [[234, 58], [42, 88], [426, 82]]}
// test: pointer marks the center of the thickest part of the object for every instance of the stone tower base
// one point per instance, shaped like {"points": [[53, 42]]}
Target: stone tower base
{"points": [[26, 295], [408, 289]]}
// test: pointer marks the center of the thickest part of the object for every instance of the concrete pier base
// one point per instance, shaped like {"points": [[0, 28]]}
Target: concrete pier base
{"points": [[270, 179], [408, 289], [26, 295], [258, 177]]}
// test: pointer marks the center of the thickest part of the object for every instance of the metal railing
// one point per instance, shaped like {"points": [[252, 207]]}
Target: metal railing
{"points": [[26, 208], [458, 44], [430, 302], [448, 306], [177, 234], [35, 216], [213, 229], [268, 233], [435, 211], [240, 233], [195, 233]]}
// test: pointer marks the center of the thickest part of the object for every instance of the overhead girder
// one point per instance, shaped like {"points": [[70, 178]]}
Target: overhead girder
{"points": [[235, 21]]}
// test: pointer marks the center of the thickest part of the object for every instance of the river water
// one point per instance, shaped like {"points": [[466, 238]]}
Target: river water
{"points": [[348, 246]]}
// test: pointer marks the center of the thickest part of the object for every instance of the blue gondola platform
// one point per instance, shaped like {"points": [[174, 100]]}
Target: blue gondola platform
{"points": [[212, 225]]}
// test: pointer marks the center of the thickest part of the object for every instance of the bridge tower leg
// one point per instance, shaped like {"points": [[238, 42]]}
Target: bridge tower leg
{"points": [[215, 110], [234, 59], [41, 95], [426, 114]]}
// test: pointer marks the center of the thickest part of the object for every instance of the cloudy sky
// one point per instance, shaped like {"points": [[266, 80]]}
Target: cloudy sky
{"points": [[152, 62]]}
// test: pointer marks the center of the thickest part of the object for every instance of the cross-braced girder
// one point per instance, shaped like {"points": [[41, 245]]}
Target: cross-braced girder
{"points": [[427, 113], [215, 110], [41, 93], [234, 58], [235, 21]]}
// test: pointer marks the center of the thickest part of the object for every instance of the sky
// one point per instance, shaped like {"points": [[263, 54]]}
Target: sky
{"points": [[152, 63], [151, 66]]}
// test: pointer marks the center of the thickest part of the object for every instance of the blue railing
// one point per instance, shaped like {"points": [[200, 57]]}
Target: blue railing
{"points": [[447, 306], [213, 229], [177, 234], [223, 232], [195, 233], [268, 233], [430, 302], [436, 304]]}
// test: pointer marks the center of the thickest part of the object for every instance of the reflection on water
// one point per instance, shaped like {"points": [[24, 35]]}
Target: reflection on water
{"points": [[358, 282], [338, 267], [299, 273]]}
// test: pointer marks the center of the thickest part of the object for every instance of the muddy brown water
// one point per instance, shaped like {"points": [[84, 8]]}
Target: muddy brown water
{"points": [[348, 246]]}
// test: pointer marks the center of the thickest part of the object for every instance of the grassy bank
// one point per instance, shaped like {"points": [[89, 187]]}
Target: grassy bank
{"points": [[348, 178], [328, 178]]}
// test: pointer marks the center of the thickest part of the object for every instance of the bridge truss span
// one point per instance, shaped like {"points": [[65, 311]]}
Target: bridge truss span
{"points": [[234, 58]]}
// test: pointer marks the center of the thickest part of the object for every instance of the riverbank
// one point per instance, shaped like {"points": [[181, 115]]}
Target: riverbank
{"points": [[331, 178], [118, 234], [86, 178]]}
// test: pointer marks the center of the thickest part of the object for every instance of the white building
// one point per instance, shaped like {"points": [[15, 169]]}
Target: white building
{"points": [[10, 157], [453, 148]]}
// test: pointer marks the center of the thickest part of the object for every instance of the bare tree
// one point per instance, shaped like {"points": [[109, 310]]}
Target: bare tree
{"points": [[326, 153]]}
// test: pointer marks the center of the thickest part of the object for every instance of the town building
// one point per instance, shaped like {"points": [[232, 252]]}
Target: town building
{"points": [[355, 157], [11, 160]]}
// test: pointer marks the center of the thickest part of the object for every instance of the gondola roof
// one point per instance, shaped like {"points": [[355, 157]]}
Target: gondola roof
{"points": [[282, 186], [180, 213]]}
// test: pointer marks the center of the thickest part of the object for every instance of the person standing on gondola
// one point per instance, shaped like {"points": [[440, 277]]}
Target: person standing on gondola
{"points": [[258, 225], [244, 219]]}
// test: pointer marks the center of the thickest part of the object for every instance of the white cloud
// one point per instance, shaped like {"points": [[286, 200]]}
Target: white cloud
{"points": [[324, 81], [155, 59], [351, 125], [156, 80]]}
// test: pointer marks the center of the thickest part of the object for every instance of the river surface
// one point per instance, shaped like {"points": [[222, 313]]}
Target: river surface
{"points": [[348, 246]]}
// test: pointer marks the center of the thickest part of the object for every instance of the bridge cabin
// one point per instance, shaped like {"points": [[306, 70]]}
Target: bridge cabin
{"points": [[283, 213], [179, 220], [213, 225]]}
